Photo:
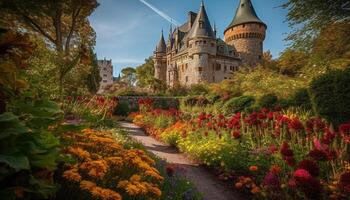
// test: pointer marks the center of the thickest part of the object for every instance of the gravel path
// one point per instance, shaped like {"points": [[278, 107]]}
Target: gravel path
{"points": [[206, 183]]}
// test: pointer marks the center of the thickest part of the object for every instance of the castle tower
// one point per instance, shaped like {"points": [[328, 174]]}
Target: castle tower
{"points": [[159, 58], [202, 48], [247, 33]]}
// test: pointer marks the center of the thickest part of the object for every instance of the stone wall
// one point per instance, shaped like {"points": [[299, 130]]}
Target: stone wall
{"points": [[248, 41]]}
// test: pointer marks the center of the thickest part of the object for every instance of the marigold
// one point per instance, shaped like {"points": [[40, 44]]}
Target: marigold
{"points": [[238, 185], [255, 190], [79, 152]]}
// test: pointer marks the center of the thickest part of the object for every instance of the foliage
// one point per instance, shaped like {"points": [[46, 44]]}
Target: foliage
{"points": [[291, 61], [238, 104], [93, 79], [122, 109], [260, 81], [330, 96], [302, 99], [145, 73], [268, 101], [308, 17], [199, 89], [64, 25], [96, 110], [129, 76]]}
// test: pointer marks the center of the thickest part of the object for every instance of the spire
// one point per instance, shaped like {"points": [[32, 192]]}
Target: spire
{"points": [[161, 47], [214, 29], [201, 26], [245, 14]]}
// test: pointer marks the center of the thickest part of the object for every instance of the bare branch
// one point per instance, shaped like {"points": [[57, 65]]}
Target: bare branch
{"points": [[36, 26], [74, 20]]}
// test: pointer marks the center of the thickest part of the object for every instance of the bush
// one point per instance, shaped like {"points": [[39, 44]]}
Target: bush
{"points": [[268, 101], [238, 104], [330, 96], [122, 109], [199, 89], [301, 98]]}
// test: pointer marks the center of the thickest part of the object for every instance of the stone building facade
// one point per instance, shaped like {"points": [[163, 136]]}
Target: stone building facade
{"points": [[106, 73], [194, 54]]}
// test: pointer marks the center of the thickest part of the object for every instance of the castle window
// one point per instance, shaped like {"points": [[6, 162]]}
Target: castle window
{"points": [[186, 66], [218, 67], [105, 81], [186, 79], [225, 68], [260, 57], [243, 25], [212, 44], [213, 78], [105, 75], [242, 5], [200, 69], [205, 42], [190, 45], [105, 68]]}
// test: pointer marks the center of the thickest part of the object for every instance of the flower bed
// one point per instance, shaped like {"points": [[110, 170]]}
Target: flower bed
{"points": [[106, 166], [264, 154]]}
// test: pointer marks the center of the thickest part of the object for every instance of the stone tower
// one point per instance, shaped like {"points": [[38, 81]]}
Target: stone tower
{"points": [[247, 33], [159, 58], [202, 49]]}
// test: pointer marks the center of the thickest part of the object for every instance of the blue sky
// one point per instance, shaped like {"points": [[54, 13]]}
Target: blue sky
{"points": [[128, 30]]}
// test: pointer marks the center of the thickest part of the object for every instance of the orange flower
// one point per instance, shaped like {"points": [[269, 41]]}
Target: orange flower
{"points": [[72, 175], [253, 168], [275, 169], [255, 190], [238, 185]]}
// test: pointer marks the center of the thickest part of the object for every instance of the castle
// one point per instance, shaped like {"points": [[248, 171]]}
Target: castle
{"points": [[106, 73], [194, 54]]}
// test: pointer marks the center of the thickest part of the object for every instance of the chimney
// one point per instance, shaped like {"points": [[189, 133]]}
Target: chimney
{"points": [[191, 17]]}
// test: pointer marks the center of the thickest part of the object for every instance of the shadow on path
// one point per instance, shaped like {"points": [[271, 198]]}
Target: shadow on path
{"points": [[206, 183]]}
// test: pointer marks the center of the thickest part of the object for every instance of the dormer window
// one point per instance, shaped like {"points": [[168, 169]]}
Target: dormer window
{"points": [[201, 24], [242, 5]]}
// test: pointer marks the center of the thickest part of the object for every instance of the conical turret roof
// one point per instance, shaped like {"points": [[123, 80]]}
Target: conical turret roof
{"points": [[201, 26], [161, 47], [245, 14]]}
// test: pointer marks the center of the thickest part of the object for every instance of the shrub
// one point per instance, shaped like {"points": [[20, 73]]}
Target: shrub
{"points": [[122, 109], [301, 98], [238, 104], [199, 89], [268, 101], [330, 96]]}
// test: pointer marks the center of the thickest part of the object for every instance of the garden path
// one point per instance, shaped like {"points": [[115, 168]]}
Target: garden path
{"points": [[207, 184]]}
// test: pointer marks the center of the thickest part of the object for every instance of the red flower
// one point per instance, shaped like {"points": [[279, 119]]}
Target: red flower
{"points": [[236, 134], [301, 175], [290, 160], [286, 151], [345, 128], [273, 149], [344, 181], [270, 115], [295, 124], [310, 166], [318, 155]]}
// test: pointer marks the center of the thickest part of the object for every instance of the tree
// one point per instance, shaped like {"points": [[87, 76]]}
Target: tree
{"points": [[308, 17], [291, 61], [333, 42], [145, 73], [94, 78], [129, 76], [63, 23]]}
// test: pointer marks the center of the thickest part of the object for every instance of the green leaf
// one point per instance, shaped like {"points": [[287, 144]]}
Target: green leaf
{"points": [[16, 161], [10, 125]]}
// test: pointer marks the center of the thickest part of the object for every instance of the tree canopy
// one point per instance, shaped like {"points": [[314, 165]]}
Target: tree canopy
{"points": [[309, 17]]}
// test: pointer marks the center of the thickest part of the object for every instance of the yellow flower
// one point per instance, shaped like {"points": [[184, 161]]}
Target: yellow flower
{"points": [[135, 178], [132, 190], [87, 185], [155, 191]]}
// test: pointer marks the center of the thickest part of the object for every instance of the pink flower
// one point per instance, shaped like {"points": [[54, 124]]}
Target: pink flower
{"points": [[301, 175], [271, 180]]}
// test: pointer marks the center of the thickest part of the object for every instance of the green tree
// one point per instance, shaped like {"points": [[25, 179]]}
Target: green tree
{"points": [[308, 17], [94, 78], [145, 73], [129, 76]]}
